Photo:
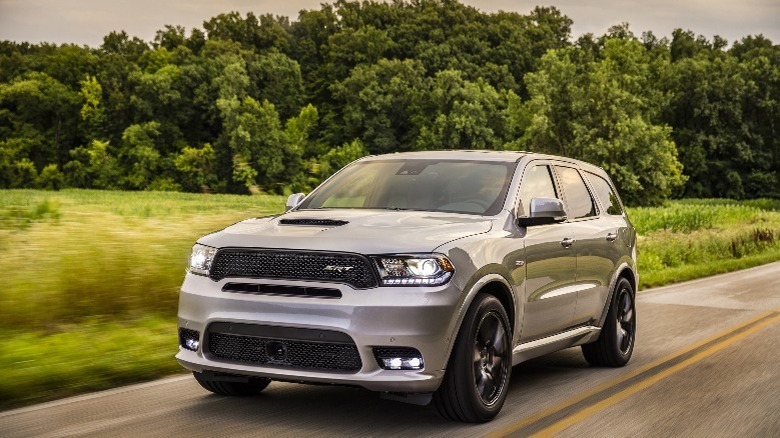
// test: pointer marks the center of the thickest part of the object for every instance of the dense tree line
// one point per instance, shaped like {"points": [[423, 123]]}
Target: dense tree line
{"points": [[260, 103]]}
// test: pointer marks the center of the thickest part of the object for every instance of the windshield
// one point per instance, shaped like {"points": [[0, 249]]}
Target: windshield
{"points": [[457, 186]]}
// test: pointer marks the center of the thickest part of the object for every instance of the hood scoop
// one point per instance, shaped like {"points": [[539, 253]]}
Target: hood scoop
{"points": [[313, 222]]}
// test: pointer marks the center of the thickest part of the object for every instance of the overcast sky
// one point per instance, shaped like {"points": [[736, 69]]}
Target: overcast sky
{"points": [[87, 21]]}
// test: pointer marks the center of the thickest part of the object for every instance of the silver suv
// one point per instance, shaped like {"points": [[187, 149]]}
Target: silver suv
{"points": [[423, 276]]}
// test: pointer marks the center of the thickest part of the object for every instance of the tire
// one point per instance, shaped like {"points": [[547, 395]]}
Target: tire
{"points": [[615, 344], [235, 389], [477, 378]]}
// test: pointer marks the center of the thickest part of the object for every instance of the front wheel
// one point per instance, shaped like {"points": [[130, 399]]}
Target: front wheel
{"points": [[477, 378], [615, 344]]}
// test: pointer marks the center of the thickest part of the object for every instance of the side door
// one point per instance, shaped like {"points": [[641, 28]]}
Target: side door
{"points": [[611, 241], [593, 245], [550, 262]]}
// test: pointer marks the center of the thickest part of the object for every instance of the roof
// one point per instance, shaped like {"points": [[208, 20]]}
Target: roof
{"points": [[482, 155], [479, 155]]}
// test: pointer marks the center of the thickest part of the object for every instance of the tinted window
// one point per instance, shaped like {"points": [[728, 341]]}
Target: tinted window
{"points": [[457, 186], [606, 194], [537, 183], [578, 200]]}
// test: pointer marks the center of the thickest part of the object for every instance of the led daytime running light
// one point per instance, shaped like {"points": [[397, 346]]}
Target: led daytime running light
{"points": [[414, 270]]}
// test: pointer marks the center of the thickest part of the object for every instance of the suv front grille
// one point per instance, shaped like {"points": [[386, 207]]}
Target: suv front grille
{"points": [[284, 353], [352, 269]]}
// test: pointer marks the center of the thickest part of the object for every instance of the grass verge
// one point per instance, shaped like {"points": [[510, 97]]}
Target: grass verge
{"points": [[89, 356], [695, 238]]}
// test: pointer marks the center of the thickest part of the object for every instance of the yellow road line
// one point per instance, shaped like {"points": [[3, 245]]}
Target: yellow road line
{"points": [[506, 430], [633, 389]]}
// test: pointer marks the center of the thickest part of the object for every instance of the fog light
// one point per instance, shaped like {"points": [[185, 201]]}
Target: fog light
{"points": [[393, 364], [394, 358], [192, 344], [189, 339]]}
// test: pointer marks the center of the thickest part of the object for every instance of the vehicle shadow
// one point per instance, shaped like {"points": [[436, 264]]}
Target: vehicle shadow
{"points": [[324, 410]]}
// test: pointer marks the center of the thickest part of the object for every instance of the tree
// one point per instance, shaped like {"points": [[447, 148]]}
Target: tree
{"points": [[171, 37], [352, 47], [277, 78], [119, 43], [50, 178], [258, 144], [256, 102], [339, 157], [16, 170], [92, 113], [139, 155], [44, 112], [465, 115], [93, 167], [159, 96], [197, 166], [300, 132], [383, 105], [606, 112]]}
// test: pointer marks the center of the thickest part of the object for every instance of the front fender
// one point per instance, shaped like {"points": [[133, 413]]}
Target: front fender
{"points": [[478, 283]]}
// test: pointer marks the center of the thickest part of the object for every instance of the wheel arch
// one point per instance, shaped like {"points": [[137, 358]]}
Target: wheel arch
{"points": [[629, 275], [495, 285], [624, 271], [502, 292]]}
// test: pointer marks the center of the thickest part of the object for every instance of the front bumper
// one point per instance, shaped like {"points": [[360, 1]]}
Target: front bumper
{"points": [[424, 318]]}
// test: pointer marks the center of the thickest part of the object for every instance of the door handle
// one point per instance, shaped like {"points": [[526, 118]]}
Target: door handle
{"points": [[567, 242], [611, 237]]}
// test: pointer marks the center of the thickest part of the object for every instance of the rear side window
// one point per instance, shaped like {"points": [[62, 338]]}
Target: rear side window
{"points": [[578, 200], [537, 183], [606, 194]]}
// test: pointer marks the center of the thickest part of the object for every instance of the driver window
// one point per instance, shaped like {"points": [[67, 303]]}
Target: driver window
{"points": [[537, 183]]}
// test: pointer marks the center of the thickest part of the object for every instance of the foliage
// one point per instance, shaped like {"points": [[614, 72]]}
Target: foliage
{"points": [[256, 103], [693, 238], [605, 111]]}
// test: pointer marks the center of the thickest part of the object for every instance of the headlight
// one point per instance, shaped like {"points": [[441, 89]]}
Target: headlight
{"points": [[201, 258], [414, 270]]}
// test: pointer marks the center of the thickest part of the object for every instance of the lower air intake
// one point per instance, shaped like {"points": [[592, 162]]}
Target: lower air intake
{"points": [[284, 353]]}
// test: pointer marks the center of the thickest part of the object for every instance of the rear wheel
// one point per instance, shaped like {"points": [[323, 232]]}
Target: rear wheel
{"points": [[232, 388], [475, 384], [615, 344]]}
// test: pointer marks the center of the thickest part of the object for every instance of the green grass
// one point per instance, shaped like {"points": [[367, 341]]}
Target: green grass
{"points": [[82, 254], [91, 278], [90, 284], [695, 238], [88, 356]]}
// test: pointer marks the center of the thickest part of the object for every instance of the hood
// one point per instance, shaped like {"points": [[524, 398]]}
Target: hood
{"points": [[358, 231]]}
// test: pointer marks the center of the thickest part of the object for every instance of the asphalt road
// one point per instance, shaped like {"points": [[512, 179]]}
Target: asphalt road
{"points": [[706, 363]]}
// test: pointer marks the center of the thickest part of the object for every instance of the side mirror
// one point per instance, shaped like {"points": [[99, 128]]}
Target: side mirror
{"points": [[293, 200], [544, 211]]}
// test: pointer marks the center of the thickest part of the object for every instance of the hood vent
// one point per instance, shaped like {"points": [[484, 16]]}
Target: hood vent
{"points": [[313, 222]]}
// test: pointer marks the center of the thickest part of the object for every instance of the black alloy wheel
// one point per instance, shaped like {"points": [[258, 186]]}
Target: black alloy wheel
{"points": [[615, 344], [490, 364], [625, 325], [477, 379]]}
